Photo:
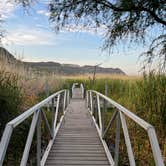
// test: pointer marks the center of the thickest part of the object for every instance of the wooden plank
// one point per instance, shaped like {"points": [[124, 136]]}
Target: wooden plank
{"points": [[77, 155], [77, 158], [74, 162], [77, 142]]}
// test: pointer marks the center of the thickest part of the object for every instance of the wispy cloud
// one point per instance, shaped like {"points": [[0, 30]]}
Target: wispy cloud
{"points": [[25, 36], [6, 8], [43, 12], [46, 1]]}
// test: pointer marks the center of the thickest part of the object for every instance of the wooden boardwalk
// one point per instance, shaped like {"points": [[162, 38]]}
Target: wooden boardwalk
{"points": [[77, 141]]}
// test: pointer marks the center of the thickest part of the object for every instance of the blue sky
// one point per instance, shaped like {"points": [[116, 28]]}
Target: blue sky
{"points": [[30, 37]]}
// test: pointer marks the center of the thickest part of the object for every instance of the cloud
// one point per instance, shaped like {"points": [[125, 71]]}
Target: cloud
{"points": [[6, 9], [43, 12], [46, 1], [25, 36]]}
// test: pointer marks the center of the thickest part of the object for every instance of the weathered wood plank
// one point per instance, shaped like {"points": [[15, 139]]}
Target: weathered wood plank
{"points": [[74, 162]]}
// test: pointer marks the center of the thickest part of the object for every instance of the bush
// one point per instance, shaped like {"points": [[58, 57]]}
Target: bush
{"points": [[10, 98]]}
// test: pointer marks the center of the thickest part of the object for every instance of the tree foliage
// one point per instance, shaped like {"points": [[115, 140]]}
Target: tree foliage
{"points": [[131, 19]]}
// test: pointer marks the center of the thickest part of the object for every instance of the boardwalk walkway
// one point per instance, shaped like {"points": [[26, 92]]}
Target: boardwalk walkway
{"points": [[77, 142]]}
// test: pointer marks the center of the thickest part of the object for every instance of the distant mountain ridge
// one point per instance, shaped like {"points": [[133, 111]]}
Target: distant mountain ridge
{"points": [[64, 69]]}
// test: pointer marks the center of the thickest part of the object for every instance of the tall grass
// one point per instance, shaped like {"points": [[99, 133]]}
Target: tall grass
{"points": [[10, 97], [146, 97], [21, 88]]}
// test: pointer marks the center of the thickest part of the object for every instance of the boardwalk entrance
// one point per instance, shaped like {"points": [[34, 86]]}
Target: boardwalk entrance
{"points": [[77, 142]]}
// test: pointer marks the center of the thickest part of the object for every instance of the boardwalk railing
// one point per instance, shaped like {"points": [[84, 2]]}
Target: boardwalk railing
{"points": [[73, 87], [58, 103], [97, 100], [81, 87]]}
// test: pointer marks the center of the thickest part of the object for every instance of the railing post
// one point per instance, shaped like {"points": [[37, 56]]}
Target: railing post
{"points": [[99, 114], [56, 112], [91, 103], [155, 147], [29, 139], [52, 114], [127, 140], [64, 102], [68, 97], [82, 89], [72, 89], [103, 116], [117, 140], [5, 142], [87, 99], [39, 140], [95, 106]]}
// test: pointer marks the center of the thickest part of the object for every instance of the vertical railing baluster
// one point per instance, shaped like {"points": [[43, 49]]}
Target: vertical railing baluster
{"points": [[56, 112], [117, 140], [39, 139], [64, 102], [87, 98], [155, 147], [95, 107], [99, 115], [103, 114], [127, 140], [5, 142], [91, 103], [29, 139], [68, 97], [82, 90], [52, 114]]}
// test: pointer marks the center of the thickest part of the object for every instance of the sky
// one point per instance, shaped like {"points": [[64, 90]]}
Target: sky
{"points": [[31, 37]]}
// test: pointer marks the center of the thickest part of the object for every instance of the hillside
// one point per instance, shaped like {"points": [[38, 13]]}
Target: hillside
{"points": [[7, 56], [64, 69]]}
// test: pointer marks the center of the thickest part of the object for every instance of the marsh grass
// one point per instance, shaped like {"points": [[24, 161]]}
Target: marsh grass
{"points": [[146, 97], [21, 88]]}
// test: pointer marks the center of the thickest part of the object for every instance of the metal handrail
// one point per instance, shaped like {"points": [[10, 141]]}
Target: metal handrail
{"points": [[36, 111], [81, 87], [120, 114], [73, 87]]}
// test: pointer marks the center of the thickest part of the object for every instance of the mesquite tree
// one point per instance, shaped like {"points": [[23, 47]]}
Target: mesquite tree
{"points": [[121, 19]]}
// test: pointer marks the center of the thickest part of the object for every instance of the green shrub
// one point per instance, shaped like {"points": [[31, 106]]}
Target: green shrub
{"points": [[10, 98]]}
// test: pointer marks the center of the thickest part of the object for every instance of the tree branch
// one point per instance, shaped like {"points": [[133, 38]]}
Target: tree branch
{"points": [[133, 8]]}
